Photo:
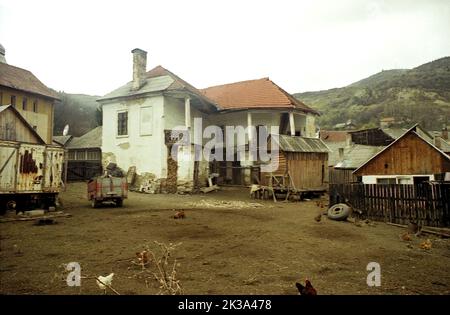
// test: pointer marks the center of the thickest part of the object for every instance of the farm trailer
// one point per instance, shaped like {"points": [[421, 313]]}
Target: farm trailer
{"points": [[30, 175]]}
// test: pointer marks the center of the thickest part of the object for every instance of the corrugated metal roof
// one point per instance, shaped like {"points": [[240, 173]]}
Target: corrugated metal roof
{"points": [[301, 144], [357, 155], [155, 84], [62, 140], [92, 139], [394, 133]]}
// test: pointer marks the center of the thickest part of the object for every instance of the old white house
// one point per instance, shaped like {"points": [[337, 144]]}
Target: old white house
{"points": [[138, 118]]}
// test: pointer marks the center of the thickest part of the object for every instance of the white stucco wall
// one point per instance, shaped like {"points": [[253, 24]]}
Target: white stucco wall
{"points": [[174, 113], [146, 152], [310, 126], [149, 153], [401, 179]]}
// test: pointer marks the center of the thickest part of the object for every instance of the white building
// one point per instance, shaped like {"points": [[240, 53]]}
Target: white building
{"points": [[139, 116]]}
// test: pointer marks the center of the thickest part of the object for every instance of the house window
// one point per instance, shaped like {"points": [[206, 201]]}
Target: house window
{"points": [[404, 180], [146, 121], [24, 103], [386, 181], [13, 100], [122, 124], [35, 106]]}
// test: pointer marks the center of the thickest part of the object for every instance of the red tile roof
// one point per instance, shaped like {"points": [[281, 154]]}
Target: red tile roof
{"points": [[333, 136], [24, 80], [262, 93]]}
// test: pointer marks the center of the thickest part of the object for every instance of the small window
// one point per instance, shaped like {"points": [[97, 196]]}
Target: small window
{"points": [[13, 100], [1, 98], [35, 106], [386, 181], [24, 103], [122, 124]]}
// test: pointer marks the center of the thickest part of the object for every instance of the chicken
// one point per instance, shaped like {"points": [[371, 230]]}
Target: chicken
{"points": [[142, 257], [307, 289], [426, 244], [318, 217], [104, 281], [179, 215], [406, 237]]}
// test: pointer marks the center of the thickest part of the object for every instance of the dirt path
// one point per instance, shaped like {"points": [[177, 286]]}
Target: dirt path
{"points": [[225, 250]]}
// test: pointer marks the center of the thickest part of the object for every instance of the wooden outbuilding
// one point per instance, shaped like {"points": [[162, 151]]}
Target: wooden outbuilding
{"points": [[410, 159], [304, 160]]}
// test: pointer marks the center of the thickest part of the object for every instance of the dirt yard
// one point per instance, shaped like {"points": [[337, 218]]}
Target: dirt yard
{"points": [[225, 249]]}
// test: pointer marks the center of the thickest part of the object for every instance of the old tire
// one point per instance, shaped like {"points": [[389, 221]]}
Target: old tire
{"points": [[339, 212]]}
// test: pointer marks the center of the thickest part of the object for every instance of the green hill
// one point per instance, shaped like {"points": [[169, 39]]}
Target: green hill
{"points": [[81, 112], [421, 94]]}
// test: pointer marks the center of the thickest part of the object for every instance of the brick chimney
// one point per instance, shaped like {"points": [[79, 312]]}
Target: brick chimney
{"points": [[2, 54], [445, 133], [139, 68]]}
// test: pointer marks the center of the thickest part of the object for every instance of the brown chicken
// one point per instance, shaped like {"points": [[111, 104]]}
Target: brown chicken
{"points": [[179, 215], [307, 289], [318, 217], [406, 237], [142, 257], [426, 244]]}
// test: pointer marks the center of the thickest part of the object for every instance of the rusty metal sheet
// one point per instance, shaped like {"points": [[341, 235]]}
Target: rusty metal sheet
{"points": [[30, 168], [54, 164]]}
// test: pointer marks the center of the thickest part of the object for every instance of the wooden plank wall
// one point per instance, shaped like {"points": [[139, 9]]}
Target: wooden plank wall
{"points": [[13, 129], [408, 156], [308, 170], [282, 169], [341, 176], [426, 203]]}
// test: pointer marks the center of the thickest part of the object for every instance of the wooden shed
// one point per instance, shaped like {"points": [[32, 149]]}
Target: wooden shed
{"points": [[85, 155], [305, 160], [412, 154]]}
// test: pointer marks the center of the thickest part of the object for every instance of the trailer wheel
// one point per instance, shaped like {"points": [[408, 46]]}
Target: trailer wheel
{"points": [[95, 203], [119, 202]]}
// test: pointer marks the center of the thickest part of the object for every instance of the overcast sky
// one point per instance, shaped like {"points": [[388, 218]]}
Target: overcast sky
{"points": [[85, 46]]}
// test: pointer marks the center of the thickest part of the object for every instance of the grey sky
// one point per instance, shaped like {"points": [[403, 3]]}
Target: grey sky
{"points": [[84, 46]]}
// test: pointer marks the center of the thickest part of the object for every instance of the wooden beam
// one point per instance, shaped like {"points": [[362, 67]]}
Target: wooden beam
{"points": [[249, 124], [187, 112], [292, 123]]}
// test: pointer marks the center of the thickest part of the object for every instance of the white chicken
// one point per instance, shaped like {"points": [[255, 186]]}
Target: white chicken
{"points": [[104, 281]]}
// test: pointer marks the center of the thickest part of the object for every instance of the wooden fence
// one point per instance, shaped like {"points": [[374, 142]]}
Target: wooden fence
{"points": [[426, 203]]}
